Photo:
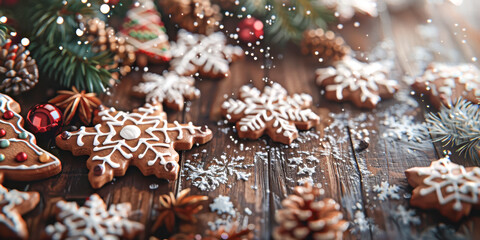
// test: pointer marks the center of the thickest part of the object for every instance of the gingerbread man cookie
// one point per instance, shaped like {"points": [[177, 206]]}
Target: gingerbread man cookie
{"points": [[451, 188], [93, 221], [169, 88], [142, 138], [13, 204], [364, 84], [272, 112], [210, 55], [444, 84], [20, 158]]}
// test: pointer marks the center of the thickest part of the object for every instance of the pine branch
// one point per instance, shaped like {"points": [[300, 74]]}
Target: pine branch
{"points": [[4, 32], [74, 65], [287, 20], [458, 126]]}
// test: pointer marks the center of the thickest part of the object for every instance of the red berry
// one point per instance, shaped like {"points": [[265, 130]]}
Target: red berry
{"points": [[3, 132], [8, 115], [21, 157], [98, 170]]}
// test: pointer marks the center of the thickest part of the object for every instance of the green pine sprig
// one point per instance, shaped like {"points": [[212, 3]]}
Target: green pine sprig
{"points": [[458, 126], [287, 20], [74, 64], [4, 32]]}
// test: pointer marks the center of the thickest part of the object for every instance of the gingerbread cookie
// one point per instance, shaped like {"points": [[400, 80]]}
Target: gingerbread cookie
{"points": [[364, 84], [210, 55], [93, 221], [451, 188], [13, 204], [272, 112], [144, 30], [169, 88], [143, 139], [20, 158], [444, 84]]}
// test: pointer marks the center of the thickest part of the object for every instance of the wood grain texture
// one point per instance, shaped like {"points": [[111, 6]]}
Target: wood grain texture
{"points": [[347, 174]]}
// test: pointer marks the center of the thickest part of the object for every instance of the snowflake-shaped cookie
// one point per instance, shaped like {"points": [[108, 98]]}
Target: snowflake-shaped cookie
{"points": [[365, 84], [444, 84], [169, 88], [143, 139], [93, 221], [272, 112], [449, 187], [13, 204], [210, 55]]}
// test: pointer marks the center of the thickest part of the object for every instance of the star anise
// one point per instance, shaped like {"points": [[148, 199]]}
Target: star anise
{"points": [[75, 101], [182, 208]]}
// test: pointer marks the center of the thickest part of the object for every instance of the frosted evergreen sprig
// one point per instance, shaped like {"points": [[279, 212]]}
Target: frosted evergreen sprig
{"points": [[457, 126]]}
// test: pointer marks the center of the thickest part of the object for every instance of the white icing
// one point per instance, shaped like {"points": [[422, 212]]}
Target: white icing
{"points": [[353, 75], [458, 184], [155, 136], [442, 79], [130, 132], [92, 221], [169, 87], [274, 105], [5, 102], [9, 200], [195, 52]]}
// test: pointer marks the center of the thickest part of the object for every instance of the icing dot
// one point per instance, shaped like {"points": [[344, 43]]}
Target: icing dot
{"points": [[8, 114], [3, 132], [4, 143], [130, 132], [204, 128], [98, 170], [44, 158], [169, 166], [2, 157], [21, 157], [22, 135], [66, 135]]}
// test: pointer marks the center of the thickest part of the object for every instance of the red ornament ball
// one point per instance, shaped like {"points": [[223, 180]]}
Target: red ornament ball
{"points": [[44, 118], [113, 2], [21, 157], [8, 2], [250, 29], [8, 115], [3, 132]]}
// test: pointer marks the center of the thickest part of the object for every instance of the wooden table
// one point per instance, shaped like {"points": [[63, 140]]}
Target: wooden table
{"points": [[271, 170]]}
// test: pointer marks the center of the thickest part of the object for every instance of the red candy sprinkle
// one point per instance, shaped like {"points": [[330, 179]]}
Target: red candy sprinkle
{"points": [[21, 157], [8, 114], [3, 132]]}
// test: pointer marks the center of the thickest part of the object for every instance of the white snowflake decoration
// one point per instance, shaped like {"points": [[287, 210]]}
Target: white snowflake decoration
{"points": [[221, 205], [93, 221], [272, 112], [346, 9], [170, 88], [450, 182], [405, 216], [386, 190], [208, 55]]}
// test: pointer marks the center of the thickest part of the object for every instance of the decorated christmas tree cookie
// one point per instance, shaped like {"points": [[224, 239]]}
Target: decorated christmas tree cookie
{"points": [[20, 158], [142, 138], [144, 30]]}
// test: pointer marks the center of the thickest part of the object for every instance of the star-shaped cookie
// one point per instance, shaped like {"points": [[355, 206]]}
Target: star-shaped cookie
{"points": [[93, 221], [13, 204], [451, 188], [444, 84], [142, 138], [364, 84], [272, 112]]}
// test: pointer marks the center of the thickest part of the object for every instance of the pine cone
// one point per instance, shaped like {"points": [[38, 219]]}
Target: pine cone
{"points": [[104, 38], [305, 218], [324, 44], [18, 71], [199, 16]]}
